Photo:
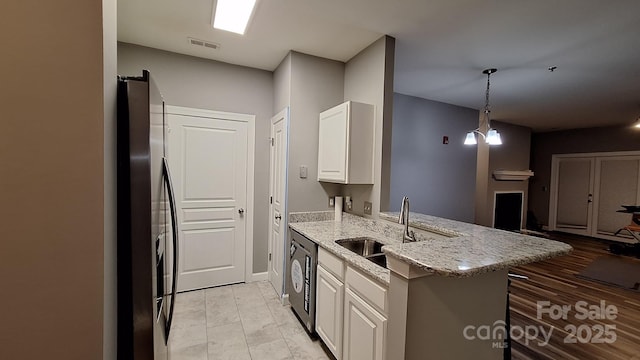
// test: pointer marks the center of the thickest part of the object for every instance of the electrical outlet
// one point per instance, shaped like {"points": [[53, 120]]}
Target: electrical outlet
{"points": [[332, 202], [367, 208]]}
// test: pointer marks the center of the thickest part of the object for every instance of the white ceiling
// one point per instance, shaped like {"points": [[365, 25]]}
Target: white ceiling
{"points": [[442, 46]]}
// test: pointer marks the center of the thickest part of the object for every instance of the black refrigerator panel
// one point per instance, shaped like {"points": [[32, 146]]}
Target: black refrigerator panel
{"points": [[158, 219], [146, 241]]}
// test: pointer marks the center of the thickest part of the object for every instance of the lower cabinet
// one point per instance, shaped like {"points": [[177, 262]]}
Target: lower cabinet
{"points": [[350, 310], [364, 330], [329, 303]]}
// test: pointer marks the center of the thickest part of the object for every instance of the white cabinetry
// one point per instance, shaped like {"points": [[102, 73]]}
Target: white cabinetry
{"points": [[351, 310], [364, 329], [329, 300], [345, 146], [365, 317]]}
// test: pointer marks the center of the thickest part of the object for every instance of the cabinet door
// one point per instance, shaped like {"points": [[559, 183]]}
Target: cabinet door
{"points": [[364, 330], [329, 302], [333, 145]]}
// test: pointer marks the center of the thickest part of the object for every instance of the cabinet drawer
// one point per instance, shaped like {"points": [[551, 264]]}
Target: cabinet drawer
{"points": [[371, 291], [331, 263]]}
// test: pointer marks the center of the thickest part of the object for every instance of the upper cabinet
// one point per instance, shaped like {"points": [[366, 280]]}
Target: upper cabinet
{"points": [[345, 147]]}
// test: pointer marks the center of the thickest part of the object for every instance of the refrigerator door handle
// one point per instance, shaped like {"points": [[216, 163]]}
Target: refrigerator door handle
{"points": [[174, 229]]}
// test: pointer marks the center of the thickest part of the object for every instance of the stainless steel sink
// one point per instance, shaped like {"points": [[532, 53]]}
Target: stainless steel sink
{"points": [[380, 259], [362, 246], [369, 248]]}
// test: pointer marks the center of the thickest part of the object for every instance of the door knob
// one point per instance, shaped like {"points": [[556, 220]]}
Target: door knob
{"points": [[278, 217], [241, 211]]}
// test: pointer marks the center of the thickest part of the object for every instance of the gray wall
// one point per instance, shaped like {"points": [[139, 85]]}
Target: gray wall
{"points": [[439, 179], [543, 145], [369, 79], [316, 85], [282, 85], [199, 83], [513, 154], [308, 85]]}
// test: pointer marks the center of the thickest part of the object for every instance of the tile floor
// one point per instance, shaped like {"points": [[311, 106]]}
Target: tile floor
{"points": [[243, 321]]}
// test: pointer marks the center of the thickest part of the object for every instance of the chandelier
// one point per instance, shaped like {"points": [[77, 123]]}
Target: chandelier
{"points": [[491, 137]]}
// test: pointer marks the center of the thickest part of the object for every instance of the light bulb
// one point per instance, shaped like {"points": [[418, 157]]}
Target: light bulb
{"points": [[493, 138], [470, 139]]}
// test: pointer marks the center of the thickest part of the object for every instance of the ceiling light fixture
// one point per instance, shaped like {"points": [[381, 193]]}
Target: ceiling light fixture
{"points": [[492, 137], [233, 15], [637, 123]]}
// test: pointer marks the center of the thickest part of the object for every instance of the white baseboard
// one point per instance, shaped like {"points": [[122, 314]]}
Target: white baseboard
{"points": [[263, 276]]}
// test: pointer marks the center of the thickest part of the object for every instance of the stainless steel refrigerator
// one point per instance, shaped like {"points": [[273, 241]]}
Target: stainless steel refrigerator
{"points": [[147, 229]]}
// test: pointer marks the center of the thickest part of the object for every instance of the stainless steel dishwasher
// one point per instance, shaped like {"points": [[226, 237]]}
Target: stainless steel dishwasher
{"points": [[301, 279]]}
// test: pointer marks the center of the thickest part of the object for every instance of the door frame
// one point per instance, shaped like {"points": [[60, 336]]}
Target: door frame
{"points": [[251, 140], [553, 188], [284, 113], [596, 199], [553, 191]]}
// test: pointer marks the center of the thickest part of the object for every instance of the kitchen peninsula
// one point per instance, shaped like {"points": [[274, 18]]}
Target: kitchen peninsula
{"points": [[454, 277]]}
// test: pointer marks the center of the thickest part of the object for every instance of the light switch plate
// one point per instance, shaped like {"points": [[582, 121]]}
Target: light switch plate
{"points": [[303, 171], [367, 208], [332, 201]]}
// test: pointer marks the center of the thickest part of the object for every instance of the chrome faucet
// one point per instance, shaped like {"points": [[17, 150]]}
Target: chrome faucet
{"points": [[408, 235]]}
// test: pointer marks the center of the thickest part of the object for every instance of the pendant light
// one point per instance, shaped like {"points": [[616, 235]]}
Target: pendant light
{"points": [[492, 136]]}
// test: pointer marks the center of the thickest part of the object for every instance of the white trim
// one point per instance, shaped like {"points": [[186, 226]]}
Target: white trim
{"points": [[596, 199], [596, 161], [596, 154], [284, 113], [595, 157], [251, 142], [251, 149], [261, 276], [285, 248], [211, 114], [553, 192], [495, 197]]}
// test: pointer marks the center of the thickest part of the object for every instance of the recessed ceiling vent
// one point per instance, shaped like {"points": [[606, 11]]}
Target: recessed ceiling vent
{"points": [[206, 44]]}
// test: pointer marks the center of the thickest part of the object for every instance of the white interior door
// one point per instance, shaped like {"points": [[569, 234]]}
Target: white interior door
{"points": [[277, 212], [209, 158], [617, 183], [574, 194]]}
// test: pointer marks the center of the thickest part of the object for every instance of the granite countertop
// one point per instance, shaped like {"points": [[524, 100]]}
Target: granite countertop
{"points": [[324, 231], [444, 247], [472, 250]]}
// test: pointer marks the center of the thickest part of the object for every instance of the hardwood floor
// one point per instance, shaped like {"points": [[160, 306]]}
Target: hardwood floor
{"points": [[555, 281]]}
